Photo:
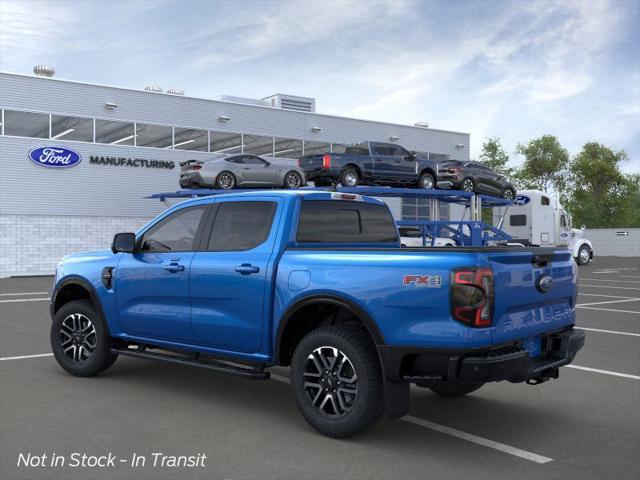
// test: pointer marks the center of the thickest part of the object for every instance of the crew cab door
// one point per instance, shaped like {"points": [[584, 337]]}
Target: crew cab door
{"points": [[229, 275], [259, 171], [390, 162], [152, 284]]}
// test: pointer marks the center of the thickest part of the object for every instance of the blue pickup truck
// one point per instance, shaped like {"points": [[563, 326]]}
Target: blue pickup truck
{"points": [[371, 163], [317, 281]]}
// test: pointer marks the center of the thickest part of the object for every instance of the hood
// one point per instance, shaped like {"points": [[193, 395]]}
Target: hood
{"points": [[92, 256]]}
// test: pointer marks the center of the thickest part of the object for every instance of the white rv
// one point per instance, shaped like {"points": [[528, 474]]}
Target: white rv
{"points": [[537, 218]]}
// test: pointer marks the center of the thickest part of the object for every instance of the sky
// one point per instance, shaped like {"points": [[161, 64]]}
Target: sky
{"points": [[509, 69]]}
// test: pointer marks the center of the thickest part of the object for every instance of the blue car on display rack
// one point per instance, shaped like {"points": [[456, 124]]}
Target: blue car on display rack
{"points": [[318, 281]]}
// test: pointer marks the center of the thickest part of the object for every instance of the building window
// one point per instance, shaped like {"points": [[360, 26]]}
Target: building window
{"points": [[71, 128], [228, 143], [316, 148], [258, 145], [191, 139], [26, 124], [156, 136], [115, 133], [287, 148]]}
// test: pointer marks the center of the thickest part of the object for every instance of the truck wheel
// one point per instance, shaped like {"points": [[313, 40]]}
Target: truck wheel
{"points": [[426, 181], [349, 178], [584, 255], [456, 389], [225, 180], [337, 381], [79, 340], [468, 185]]}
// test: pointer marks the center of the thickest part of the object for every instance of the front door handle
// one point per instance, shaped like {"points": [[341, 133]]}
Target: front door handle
{"points": [[174, 267], [247, 269]]}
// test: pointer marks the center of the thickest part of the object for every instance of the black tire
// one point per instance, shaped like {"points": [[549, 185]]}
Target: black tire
{"points": [[322, 182], [290, 176], [349, 177], [584, 255], [225, 180], [427, 181], [365, 407], [509, 194], [456, 389], [100, 358], [468, 185]]}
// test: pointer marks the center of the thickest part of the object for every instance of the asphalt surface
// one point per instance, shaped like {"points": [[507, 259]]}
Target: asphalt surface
{"points": [[584, 425]]}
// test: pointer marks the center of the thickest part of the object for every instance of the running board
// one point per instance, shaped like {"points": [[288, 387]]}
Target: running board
{"points": [[256, 373]]}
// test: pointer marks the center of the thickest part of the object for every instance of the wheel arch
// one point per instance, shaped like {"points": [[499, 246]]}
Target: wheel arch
{"points": [[75, 288], [354, 166], [288, 335], [428, 170]]}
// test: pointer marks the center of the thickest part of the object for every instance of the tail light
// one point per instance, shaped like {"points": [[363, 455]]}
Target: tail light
{"points": [[472, 296], [299, 162], [453, 170], [196, 167], [326, 161]]}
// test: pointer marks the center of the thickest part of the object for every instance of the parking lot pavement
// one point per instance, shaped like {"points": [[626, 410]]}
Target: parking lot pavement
{"points": [[586, 424]]}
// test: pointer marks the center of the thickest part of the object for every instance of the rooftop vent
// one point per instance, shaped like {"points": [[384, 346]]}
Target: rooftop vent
{"points": [[291, 102], [421, 124], [244, 100], [44, 71], [153, 88], [175, 91]]}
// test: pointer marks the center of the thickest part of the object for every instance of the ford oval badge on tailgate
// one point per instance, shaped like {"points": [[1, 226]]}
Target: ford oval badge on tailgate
{"points": [[544, 283], [55, 157]]}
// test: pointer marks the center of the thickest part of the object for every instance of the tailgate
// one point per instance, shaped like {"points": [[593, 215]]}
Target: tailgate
{"points": [[535, 293], [311, 162]]}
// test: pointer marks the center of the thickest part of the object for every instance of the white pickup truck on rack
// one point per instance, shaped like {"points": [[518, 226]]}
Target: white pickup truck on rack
{"points": [[538, 219]]}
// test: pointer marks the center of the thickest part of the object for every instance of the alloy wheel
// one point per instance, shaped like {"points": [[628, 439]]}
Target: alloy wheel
{"points": [[226, 181], [330, 381], [78, 337], [350, 179], [293, 180], [584, 255], [508, 194], [467, 185], [427, 182]]}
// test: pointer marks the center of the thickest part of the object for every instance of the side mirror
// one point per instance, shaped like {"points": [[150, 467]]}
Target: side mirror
{"points": [[411, 156], [583, 227], [124, 242]]}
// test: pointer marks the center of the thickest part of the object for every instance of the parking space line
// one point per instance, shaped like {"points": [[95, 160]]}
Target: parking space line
{"points": [[606, 372], [614, 281], [16, 300], [469, 437], [24, 357], [609, 331], [629, 276], [609, 310], [600, 295], [609, 286], [632, 299], [22, 293]]}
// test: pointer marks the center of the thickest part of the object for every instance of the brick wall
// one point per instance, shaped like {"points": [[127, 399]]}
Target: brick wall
{"points": [[33, 244], [608, 243]]}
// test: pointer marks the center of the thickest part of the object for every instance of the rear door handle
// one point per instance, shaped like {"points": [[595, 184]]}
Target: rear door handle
{"points": [[247, 269]]}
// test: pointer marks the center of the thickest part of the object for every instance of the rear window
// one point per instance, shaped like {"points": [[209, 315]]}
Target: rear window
{"points": [[518, 220], [450, 163], [359, 149], [339, 221]]}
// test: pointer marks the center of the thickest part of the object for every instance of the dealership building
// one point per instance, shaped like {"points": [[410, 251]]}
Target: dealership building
{"points": [[129, 144]]}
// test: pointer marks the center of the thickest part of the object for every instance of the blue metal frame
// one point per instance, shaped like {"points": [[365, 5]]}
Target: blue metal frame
{"points": [[479, 233]]}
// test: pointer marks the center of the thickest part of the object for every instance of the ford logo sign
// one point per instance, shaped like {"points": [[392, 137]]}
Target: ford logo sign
{"points": [[544, 283], [55, 157], [521, 200]]}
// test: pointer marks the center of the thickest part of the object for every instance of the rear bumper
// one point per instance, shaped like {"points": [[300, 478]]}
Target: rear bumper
{"points": [[316, 173], [192, 179], [508, 362]]}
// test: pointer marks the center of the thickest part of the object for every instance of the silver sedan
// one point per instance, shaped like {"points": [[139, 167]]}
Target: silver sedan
{"points": [[229, 171]]}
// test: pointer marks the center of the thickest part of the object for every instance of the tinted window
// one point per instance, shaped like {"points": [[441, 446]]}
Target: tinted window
{"points": [[72, 128], [397, 151], [241, 225], [357, 149], [337, 221], [383, 150], [450, 163], [544, 200], [175, 233], [239, 159], [116, 133], [518, 220], [410, 232], [251, 160]]}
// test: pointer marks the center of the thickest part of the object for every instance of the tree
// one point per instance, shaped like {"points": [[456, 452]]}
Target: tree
{"points": [[600, 195], [495, 157], [545, 164]]}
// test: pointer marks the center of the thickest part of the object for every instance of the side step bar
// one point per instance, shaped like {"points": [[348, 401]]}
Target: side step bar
{"points": [[256, 373]]}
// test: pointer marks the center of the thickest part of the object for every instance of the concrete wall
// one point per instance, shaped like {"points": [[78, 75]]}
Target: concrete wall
{"points": [[607, 242]]}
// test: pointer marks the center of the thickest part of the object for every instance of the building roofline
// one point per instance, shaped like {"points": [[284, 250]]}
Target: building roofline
{"points": [[232, 103]]}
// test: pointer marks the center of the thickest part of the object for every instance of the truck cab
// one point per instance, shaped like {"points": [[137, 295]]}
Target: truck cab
{"points": [[538, 219]]}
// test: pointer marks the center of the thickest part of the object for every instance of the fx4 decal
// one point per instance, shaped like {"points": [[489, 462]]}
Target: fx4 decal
{"points": [[425, 281]]}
